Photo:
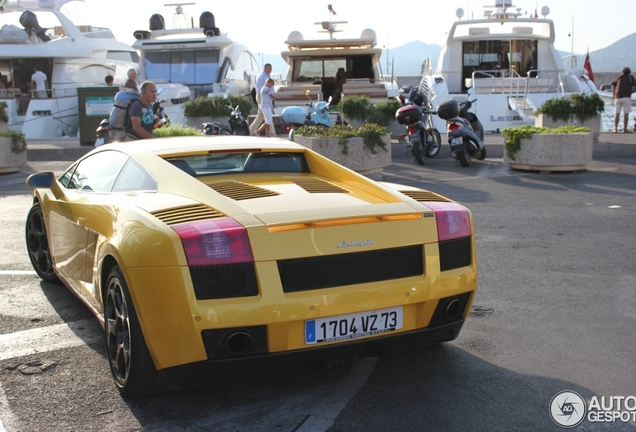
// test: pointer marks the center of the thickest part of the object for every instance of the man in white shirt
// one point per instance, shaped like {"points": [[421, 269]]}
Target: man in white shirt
{"points": [[39, 84], [260, 83], [267, 95]]}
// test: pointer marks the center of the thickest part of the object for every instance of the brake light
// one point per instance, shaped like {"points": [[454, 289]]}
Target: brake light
{"points": [[453, 220], [454, 126], [215, 242], [412, 130]]}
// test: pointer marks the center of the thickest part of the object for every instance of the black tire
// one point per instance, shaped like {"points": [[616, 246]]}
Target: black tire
{"points": [[481, 155], [38, 245], [419, 152], [431, 151], [132, 367], [463, 157]]}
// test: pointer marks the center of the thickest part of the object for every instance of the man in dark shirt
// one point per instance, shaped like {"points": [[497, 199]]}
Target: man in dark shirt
{"points": [[622, 88], [142, 118]]}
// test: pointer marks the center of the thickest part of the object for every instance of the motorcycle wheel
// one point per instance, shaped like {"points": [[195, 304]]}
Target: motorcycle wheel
{"points": [[481, 155], [433, 146], [419, 152], [463, 157]]}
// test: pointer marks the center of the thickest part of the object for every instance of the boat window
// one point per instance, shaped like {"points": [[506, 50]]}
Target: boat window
{"points": [[314, 69], [126, 56], [185, 66], [486, 56], [244, 64]]}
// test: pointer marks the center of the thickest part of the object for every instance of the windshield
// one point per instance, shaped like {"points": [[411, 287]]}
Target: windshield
{"points": [[185, 66]]}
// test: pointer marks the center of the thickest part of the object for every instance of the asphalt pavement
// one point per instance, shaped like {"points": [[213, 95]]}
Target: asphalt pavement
{"points": [[608, 144]]}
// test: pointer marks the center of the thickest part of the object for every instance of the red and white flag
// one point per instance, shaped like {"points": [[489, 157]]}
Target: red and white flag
{"points": [[588, 67], [331, 10]]}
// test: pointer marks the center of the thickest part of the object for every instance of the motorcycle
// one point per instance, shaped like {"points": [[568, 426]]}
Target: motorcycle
{"points": [[103, 136], [317, 114], [465, 131], [424, 138], [237, 125]]}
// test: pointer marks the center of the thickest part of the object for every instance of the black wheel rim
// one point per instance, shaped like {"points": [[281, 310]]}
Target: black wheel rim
{"points": [[38, 245], [117, 331]]}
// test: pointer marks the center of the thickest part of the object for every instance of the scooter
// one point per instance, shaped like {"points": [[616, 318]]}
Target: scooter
{"points": [[317, 114], [465, 131], [237, 125], [424, 138], [102, 133]]}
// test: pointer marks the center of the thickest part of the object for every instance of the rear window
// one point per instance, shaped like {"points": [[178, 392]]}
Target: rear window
{"points": [[234, 163]]}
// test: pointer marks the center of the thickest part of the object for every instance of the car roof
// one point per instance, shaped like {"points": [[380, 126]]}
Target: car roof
{"points": [[174, 146]]}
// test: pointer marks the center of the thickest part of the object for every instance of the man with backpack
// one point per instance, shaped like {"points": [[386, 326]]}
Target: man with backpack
{"points": [[141, 117]]}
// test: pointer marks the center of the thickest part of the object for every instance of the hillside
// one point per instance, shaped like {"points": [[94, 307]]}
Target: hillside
{"points": [[614, 57]]}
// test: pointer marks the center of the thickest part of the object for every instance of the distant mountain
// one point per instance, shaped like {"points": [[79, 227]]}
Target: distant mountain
{"points": [[407, 59], [614, 57]]}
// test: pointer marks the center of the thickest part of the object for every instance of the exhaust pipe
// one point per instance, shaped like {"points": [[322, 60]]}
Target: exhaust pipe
{"points": [[452, 309], [238, 343]]}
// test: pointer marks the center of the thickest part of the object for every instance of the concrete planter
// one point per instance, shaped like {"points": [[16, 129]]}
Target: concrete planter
{"points": [[9, 161], [553, 152], [359, 157], [542, 120]]}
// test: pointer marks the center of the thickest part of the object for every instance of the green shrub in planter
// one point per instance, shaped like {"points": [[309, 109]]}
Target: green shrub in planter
{"points": [[18, 141], [216, 106], [513, 135], [355, 107], [383, 113], [371, 135], [3, 112], [174, 131], [582, 106]]}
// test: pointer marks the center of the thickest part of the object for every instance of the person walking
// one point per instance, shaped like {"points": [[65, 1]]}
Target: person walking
{"points": [[39, 84], [267, 95], [622, 88], [132, 76], [141, 117], [260, 83]]}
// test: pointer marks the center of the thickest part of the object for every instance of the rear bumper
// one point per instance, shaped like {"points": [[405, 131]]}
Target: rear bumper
{"points": [[216, 370]]}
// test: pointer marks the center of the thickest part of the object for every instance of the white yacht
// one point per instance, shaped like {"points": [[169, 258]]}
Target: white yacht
{"points": [[509, 60], [313, 64], [193, 62], [71, 56]]}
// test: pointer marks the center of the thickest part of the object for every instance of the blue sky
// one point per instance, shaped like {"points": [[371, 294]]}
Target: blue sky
{"points": [[264, 26]]}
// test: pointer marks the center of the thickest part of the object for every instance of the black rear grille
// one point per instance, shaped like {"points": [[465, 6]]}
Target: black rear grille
{"points": [[454, 253], [306, 274], [215, 341], [224, 281]]}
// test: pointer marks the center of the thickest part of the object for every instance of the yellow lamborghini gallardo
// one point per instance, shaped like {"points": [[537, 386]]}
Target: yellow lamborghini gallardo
{"points": [[210, 256]]}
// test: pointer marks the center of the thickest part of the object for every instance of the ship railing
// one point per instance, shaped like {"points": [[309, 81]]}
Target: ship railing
{"points": [[512, 83]]}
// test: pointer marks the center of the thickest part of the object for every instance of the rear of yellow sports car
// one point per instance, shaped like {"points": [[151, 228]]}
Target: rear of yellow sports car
{"points": [[280, 268]]}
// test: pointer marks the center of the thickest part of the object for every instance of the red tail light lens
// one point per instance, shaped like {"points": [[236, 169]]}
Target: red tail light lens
{"points": [[412, 130], [453, 220], [454, 126], [215, 242]]}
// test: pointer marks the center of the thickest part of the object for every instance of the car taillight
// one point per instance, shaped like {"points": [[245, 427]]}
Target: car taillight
{"points": [[215, 242], [454, 126], [453, 220]]}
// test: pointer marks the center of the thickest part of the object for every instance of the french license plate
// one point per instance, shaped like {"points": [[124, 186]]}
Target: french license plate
{"points": [[456, 141], [99, 141], [353, 326], [414, 138]]}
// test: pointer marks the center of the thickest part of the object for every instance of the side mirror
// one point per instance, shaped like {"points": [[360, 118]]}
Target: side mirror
{"points": [[329, 100], [159, 90], [307, 91], [471, 91]]}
